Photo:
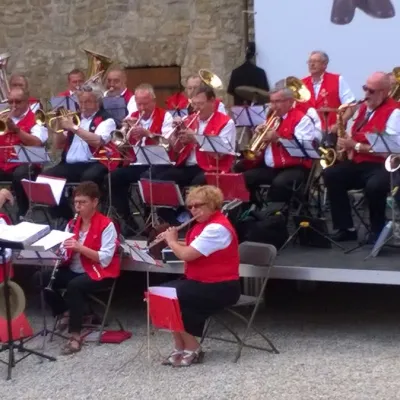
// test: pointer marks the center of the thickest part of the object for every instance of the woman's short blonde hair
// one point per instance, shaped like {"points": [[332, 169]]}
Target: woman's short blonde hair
{"points": [[211, 195]]}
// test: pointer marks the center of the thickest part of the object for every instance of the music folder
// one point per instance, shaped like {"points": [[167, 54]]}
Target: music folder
{"points": [[151, 155], [300, 148], [45, 190]]}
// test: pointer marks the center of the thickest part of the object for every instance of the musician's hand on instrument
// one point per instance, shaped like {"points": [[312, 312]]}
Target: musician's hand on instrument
{"points": [[11, 126], [72, 244], [259, 128], [333, 129], [171, 235], [346, 143], [186, 138], [176, 121], [129, 121], [67, 123]]}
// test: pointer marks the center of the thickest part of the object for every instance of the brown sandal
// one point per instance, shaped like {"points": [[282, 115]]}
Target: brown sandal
{"points": [[70, 348]]}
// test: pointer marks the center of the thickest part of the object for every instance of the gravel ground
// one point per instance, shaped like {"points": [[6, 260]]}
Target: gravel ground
{"points": [[335, 343]]}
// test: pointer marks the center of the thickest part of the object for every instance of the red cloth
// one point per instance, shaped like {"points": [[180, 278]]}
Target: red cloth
{"points": [[177, 101], [127, 95], [207, 161], [328, 96], [11, 139], [282, 159], [377, 123], [65, 93], [98, 223], [8, 264], [220, 266]]}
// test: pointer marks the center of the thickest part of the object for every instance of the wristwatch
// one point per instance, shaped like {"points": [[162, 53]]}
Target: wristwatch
{"points": [[75, 128], [357, 147]]}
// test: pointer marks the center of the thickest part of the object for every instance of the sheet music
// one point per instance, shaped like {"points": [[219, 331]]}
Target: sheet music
{"points": [[220, 146], [32, 255], [68, 102], [24, 232], [116, 107], [379, 143], [56, 184], [51, 240], [295, 151], [31, 154], [138, 254], [168, 292], [151, 155], [249, 116]]}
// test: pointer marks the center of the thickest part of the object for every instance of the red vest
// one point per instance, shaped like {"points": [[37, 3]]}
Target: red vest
{"points": [[328, 96], [98, 223], [11, 139], [8, 264], [220, 266], [282, 158], [207, 161], [128, 94], [179, 101], [108, 150], [377, 123]]}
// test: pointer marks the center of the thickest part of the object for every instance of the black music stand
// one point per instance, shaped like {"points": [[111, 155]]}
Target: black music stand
{"points": [[11, 346], [70, 103], [116, 107], [248, 117], [179, 112]]}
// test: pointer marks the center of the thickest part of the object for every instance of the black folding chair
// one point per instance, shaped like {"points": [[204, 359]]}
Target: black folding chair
{"points": [[259, 258]]}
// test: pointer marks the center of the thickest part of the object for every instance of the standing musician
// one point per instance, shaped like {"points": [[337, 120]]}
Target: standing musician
{"points": [[211, 282], [146, 126], [81, 143], [275, 166], [20, 129], [116, 86], [92, 263], [76, 78], [327, 91], [363, 170], [20, 81]]}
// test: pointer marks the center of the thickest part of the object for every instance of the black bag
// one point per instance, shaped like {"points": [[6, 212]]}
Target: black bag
{"points": [[263, 228]]}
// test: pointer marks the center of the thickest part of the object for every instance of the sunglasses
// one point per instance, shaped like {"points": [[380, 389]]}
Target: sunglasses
{"points": [[195, 205], [369, 90]]}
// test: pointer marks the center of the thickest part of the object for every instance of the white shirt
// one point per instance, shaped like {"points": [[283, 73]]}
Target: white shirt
{"points": [[227, 134], [312, 113], [34, 106], [165, 128], [79, 150], [214, 237], [305, 130], [106, 252], [222, 108], [7, 252], [38, 131], [345, 94], [131, 106]]}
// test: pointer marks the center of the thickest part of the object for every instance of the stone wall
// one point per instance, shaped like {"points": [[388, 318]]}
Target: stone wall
{"points": [[44, 37]]}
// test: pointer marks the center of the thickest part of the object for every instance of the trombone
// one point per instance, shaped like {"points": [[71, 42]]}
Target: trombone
{"points": [[120, 137]]}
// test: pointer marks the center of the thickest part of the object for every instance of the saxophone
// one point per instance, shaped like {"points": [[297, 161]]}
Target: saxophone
{"points": [[341, 133]]}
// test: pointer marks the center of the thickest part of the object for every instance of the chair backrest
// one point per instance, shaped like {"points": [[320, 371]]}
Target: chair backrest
{"points": [[260, 254]]}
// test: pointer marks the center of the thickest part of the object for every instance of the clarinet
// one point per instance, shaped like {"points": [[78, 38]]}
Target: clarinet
{"points": [[59, 261]]}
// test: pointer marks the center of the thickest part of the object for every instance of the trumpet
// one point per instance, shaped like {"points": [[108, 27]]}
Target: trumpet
{"points": [[257, 143], [4, 115], [120, 137], [52, 118]]}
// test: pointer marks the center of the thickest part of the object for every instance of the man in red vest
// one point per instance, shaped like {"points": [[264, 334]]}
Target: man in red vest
{"points": [[363, 169], [81, 143], [116, 86], [76, 78], [20, 81], [327, 91], [92, 263], [21, 129], [275, 166], [149, 123]]}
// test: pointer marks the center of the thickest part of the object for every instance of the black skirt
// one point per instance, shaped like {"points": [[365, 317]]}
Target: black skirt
{"points": [[198, 300]]}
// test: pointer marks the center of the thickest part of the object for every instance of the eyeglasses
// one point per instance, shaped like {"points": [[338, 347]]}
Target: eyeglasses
{"points": [[80, 202], [369, 90], [196, 205], [15, 101]]}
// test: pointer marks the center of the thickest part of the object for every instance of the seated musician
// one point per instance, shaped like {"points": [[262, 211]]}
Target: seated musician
{"points": [[20, 81], [5, 196], [92, 263], [191, 163], [211, 282], [81, 143], [21, 129], [146, 124], [328, 90], [363, 170], [275, 166], [116, 86], [76, 78]]}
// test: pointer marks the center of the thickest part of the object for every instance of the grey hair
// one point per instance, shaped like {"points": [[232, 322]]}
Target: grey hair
{"points": [[323, 55], [96, 91], [281, 86], [146, 87]]}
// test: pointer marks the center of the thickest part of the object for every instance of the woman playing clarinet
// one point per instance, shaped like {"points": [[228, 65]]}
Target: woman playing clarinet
{"points": [[211, 280]]}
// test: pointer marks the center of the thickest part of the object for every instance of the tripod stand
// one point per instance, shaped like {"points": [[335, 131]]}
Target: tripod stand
{"points": [[11, 344]]}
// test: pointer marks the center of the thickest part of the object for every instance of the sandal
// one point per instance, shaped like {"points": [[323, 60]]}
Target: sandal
{"points": [[190, 357], [62, 324], [174, 358], [71, 348]]}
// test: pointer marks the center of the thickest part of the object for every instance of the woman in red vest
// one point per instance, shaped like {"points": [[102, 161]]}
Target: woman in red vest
{"points": [[211, 282], [92, 263]]}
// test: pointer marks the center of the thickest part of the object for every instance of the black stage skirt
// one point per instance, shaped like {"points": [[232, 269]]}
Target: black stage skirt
{"points": [[198, 300]]}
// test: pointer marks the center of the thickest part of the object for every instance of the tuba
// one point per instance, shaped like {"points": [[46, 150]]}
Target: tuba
{"points": [[4, 87], [300, 92], [395, 92], [210, 79], [98, 64], [17, 300]]}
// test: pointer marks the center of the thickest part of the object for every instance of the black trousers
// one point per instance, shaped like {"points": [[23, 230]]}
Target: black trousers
{"points": [[282, 180], [19, 173], [372, 177], [74, 300], [198, 301], [76, 172]]}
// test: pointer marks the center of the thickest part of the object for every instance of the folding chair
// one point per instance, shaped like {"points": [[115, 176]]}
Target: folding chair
{"points": [[357, 201], [261, 257]]}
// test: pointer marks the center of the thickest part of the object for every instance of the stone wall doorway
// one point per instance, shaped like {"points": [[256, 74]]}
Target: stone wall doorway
{"points": [[165, 80]]}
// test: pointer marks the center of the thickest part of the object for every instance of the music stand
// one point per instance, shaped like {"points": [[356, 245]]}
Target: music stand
{"points": [[70, 103], [11, 345], [179, 112], [248, 117], [233, 186], [116, 107]]}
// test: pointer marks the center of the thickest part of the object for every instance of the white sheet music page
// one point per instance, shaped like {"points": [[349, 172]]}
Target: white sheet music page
{"points": [[51, 240], [56, 184], [151, 155], [25, 232], [220, 146], [295, 151], [168, 292]]}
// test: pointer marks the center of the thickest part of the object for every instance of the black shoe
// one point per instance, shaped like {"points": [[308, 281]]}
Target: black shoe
{"points": [[344, 235], [372, 237]]}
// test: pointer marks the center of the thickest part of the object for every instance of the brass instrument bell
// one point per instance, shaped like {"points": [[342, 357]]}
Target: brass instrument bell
{"points": [[4, 87], [210, 79], [299, 89], [395, 91], [17, 300], [328, 157], [4, 115], [98, 64]]}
